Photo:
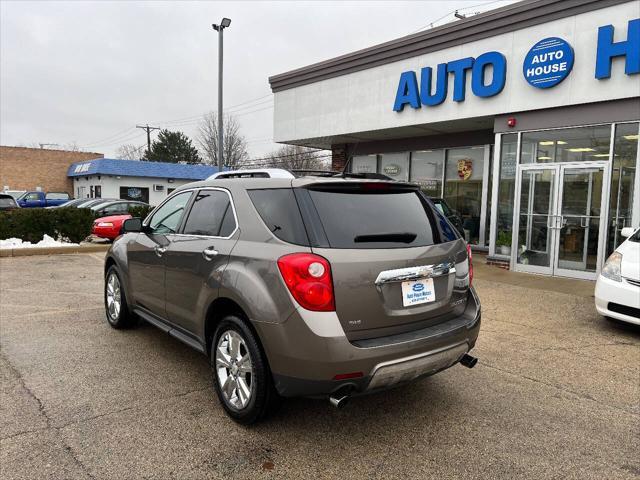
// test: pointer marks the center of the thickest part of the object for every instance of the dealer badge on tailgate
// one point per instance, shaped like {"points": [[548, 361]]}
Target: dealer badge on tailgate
{"points": [[418, 291]]}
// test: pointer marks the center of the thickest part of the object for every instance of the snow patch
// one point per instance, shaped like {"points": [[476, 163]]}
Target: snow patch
{"points": [[46, 241]]}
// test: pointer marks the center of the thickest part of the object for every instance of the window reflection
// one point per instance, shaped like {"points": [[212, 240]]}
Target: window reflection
{"points": [[625, 151], [426, 170], [583, 144]]}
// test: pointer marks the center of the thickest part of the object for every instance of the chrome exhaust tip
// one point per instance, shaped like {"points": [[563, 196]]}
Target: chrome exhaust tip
{"points": [[340, 401], [468, 361]]}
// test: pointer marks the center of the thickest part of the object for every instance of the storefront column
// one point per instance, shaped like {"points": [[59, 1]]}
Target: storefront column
{"points": [[338, 157]]}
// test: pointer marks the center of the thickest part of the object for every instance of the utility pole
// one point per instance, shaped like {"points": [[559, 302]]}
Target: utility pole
{"points": [[219, 28], [148, 129]]}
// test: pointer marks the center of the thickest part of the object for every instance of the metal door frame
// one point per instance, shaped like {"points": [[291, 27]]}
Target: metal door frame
{"points": [[516, 219], [555, 214], [602, 230]]}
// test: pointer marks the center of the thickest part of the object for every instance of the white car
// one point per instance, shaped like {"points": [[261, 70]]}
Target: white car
{"points": [[618, 285]]}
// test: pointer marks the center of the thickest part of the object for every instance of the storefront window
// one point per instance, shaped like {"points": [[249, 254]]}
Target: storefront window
{"points": [[582, 144], [140, 194], [364, 164], [506, 193], [395, 165], [463, 187], [625, 151], [426, 170]]}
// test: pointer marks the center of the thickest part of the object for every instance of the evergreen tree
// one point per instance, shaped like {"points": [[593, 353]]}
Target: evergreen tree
{"points": [[173, 147]]}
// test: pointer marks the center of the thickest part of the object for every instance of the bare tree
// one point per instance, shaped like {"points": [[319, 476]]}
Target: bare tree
{"points": [[130, 152], [235, 144], [294, 157]]}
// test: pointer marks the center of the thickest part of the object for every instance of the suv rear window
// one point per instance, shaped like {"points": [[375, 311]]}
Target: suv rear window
{"points": [[376, 219], [279, 211]]}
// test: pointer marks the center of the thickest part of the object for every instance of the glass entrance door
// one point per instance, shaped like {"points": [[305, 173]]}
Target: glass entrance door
{"points": [[579, 220], [559, 214], [534, 246]]}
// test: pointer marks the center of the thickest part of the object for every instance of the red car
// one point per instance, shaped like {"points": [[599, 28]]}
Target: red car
{"points": [[108, 227]]}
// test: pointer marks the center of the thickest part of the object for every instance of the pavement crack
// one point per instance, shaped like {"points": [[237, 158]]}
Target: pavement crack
{"points": [[132, 407], [561, 388], [25, 387], [42, 411]]}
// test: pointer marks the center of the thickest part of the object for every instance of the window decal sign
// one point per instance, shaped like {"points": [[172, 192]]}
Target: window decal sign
{"points": [[548, 62], [392, 169], [465, 168]]}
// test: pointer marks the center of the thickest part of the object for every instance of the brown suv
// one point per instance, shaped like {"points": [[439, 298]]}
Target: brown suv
{"points": [[316, 286]]}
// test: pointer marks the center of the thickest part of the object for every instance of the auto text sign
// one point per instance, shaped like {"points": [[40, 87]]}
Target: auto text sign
{"points": [[418, 291], [548, 62]]}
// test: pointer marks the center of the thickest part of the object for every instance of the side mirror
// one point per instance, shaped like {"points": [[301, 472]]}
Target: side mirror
{"points": [[132, 225], [626, 232]]}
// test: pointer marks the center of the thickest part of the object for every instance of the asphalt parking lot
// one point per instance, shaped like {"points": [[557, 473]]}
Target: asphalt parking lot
{"points": [[556, 395]]}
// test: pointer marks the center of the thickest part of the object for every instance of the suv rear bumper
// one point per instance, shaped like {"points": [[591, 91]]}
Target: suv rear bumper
{"points": [[305, 359]]}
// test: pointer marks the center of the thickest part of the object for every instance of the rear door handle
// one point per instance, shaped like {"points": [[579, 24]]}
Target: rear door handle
{"points": [[209, 253], [160, 250]]}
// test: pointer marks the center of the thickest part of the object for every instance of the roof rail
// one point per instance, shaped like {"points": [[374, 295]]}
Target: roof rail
{"points": [[302, 172], [253, 173]]}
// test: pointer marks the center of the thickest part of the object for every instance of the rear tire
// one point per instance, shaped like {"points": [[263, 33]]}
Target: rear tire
{"points": [[115, 301], [241, 374]]}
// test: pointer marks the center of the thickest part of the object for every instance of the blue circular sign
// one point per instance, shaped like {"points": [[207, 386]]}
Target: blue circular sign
{"points": [[548, 62]]}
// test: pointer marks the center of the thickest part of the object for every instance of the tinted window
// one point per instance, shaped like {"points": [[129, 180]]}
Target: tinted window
{"points": [[30, 197], [114, 208], [211, 214], [57, 196], [279, 211], [381, 219], [167, 218]]}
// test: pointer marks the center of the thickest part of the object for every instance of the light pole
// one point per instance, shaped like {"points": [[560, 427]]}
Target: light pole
{"points": [[219, 28]]}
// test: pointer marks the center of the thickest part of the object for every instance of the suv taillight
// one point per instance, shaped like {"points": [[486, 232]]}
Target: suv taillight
{"points": [[308, 278], [470, 257]]}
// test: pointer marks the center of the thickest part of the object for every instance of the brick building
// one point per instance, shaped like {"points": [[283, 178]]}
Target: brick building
{"points": [[23, 168]]}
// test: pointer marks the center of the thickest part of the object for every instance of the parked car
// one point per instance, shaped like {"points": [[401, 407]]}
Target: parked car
{"points": [[117, 207], [618, 285], [7, 202], [312, 286], [109, 227], [14, 193], [42, 199], [71, 203], [92, 202], [452, 215]]}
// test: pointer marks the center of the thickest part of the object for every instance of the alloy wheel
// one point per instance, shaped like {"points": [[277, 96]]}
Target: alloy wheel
{"points": [[235, 369], [114, 297]]}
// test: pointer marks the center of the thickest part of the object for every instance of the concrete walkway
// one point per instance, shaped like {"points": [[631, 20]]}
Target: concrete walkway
{"points": [[570, 286]]}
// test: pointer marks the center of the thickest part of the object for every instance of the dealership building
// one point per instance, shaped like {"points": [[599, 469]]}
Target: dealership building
{"points": [[144, 181], [525, 119]]}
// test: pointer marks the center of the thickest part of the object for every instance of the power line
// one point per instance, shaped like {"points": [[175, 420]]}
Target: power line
{"points": [[238, 106], [454, 12], [102, 141]]}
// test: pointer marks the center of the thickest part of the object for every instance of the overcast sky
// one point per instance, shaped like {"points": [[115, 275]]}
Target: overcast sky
{"points": [[88, 72]]}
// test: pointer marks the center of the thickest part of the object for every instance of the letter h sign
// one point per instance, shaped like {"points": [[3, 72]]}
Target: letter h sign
{"points": [[608, 49]]}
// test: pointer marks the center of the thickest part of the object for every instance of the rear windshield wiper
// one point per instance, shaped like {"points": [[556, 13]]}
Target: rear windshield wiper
{"points": [[402, 237]]}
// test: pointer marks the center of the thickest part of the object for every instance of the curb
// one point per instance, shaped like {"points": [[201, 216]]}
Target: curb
{"points": [[26, 252]]}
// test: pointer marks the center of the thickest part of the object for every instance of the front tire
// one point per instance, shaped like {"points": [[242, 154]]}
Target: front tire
{"points": [[241, 375], [115, 301]]}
